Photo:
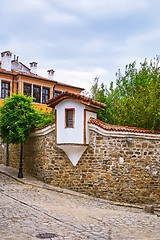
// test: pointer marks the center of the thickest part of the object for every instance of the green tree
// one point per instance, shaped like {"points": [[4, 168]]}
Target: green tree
{"points": [[102, 94], [138, 95], [47, 117], [135, 101], [18, 120], [95, 89]]}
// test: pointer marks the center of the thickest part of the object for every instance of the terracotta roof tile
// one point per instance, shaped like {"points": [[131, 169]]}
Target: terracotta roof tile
{"points": [[67, 85], [34, 76], [110, 127], [6, 52], [7, 72], [16, 73], [81, 98]]}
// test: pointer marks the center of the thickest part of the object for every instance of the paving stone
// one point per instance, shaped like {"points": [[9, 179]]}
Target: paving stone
{"points": [[27, 210]]}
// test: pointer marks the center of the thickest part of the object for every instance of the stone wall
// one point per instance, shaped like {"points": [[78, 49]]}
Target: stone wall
{"points": [[110, 168], [0, 151]]}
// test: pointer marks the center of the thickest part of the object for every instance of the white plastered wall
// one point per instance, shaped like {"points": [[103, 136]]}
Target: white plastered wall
{"points": [[70, 135], [88, 116]]}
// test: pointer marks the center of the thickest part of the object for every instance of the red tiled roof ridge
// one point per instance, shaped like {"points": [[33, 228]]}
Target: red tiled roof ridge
{"points": [[110, 127], [77, 96], [7, 72], [14, 72], [32, 75], [6, 52], [67, 85]]}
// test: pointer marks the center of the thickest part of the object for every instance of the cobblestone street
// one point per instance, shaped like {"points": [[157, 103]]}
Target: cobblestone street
{"points": [[26, 211]]}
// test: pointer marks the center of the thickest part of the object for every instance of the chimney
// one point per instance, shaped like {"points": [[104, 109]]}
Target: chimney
{"points": [[6, 60], [50, 74], [33, 67]]}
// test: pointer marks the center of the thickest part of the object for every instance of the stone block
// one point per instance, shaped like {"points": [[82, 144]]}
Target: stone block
{"points": [[132, 171], [149, 209], [144, 145]]}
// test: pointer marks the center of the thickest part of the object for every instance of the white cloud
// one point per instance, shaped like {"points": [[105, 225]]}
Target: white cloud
{"points": [[26, 5], [142, 44], [94, 46], [56, 17], [144, 37], [104, 8], [68, 10], [80, 39], [79, 78]]}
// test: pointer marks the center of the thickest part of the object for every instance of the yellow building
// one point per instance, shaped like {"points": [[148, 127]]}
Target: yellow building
{"points": [[15, 77]]}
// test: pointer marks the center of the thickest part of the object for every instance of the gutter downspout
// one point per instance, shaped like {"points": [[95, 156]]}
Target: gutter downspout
{"points": [[54, 89], [13, 83]]}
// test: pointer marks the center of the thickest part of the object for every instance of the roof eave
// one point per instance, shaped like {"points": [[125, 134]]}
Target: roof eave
{"points": [[34, 76], [53, 104], [67, 85], [39, 78]]}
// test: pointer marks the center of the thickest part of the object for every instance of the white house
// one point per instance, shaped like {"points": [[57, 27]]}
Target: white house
{"points": [[71, 122]]}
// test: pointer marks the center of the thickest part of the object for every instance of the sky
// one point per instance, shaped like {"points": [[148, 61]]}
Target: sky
{"points": [[80, 39]]}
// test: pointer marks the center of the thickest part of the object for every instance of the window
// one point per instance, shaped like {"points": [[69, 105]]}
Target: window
{"points": [[5, 88], [56, 93], [37, 94], [69, 118], [27, 89], [45, 94]]}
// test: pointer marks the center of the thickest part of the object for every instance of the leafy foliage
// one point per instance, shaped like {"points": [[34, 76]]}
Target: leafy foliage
{"points": [[48, 117], [18, 119], [135, 101]]}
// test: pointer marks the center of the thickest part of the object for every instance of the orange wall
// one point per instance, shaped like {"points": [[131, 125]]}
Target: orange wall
{"points": [[43, 107], [1, 102], [30, 80], [37, 106]]}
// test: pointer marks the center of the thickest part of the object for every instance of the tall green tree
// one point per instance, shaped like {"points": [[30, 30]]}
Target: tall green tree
{"points": [[18, 120], [135, 101]]}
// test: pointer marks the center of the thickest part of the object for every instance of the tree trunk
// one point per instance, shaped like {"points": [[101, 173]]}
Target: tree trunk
{"points": [[20, 174], [7, 154]]}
